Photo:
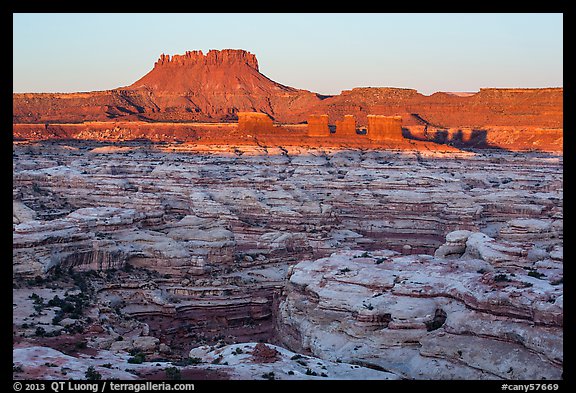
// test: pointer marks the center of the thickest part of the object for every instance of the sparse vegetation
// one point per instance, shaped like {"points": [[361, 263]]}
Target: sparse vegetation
{"points": [[40, 332], [535, 274], [137, 358], [81, 344], [501, 278], [269, 376], [92, 375], [188, 362], [438, 320], [173, 373], [557, 282]]}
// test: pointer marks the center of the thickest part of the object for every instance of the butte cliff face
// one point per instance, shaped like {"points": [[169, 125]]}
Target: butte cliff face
{"points": [[489, 107], [216, 86], [189, 87]]}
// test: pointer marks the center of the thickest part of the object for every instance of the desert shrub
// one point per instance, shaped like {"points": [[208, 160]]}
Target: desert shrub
{"points": [[92, 375], [173, 373], [535, 274], [138, 358], [40, 331], [501, 278]]}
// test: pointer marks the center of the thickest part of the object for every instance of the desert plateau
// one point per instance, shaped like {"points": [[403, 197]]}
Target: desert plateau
{"points": [[208, 223]]}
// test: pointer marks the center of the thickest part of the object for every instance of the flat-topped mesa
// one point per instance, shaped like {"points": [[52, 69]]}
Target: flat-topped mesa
{"points": [[318, 126], [213, 57], [384, 128]]}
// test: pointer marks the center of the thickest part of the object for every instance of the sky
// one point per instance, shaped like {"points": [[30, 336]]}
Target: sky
{"points": [[324, 53]]}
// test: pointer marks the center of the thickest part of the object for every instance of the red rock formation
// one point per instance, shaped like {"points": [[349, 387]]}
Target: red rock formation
{"points": [[262, 353], [254, 122], [214, 87], [318, 126], [346, 127], [213, 57], [189, 87], [384, 128]]}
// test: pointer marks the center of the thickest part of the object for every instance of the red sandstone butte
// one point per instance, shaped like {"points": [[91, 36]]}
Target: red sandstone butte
{"points": [[318, 126], [384, 128], [254, 122], [346, 127], [185, 92]]}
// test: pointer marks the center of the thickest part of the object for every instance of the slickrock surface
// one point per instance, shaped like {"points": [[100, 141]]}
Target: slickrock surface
{"points": [[232, 362], [191, 212], [478, 309], [162, 248], [266, 361]]}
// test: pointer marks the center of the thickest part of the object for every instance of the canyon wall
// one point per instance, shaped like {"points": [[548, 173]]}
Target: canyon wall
{"points": [[188, 245], [89, 203], [485, 312]]}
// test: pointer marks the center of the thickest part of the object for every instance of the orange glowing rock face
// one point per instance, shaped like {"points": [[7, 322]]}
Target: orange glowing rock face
{"points": [[183, 93], [318, 126], [384, 128], [254, 122], [346, 127]]}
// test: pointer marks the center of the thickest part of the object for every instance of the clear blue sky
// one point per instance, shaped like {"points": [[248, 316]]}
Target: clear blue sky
{"points": [[323, 53]]}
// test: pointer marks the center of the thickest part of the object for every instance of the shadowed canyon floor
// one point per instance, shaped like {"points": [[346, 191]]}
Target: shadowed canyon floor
{"points": [[138, 258]]}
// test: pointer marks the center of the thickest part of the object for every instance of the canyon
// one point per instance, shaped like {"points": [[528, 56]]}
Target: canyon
{"points": [[206, 222]]}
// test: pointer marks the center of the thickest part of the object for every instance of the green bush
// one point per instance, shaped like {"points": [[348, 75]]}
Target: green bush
{"points": [[535, 274], [173, 373], [92, 375], [501, 278], [139, 358]]}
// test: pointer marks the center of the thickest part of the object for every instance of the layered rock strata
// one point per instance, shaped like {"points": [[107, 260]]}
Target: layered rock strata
{"points": [[254, 122], [318, 126], [101, 206], [246, 361], [346, 127], [217, 85], [488, 312], [192, 245], [384, 128]]}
